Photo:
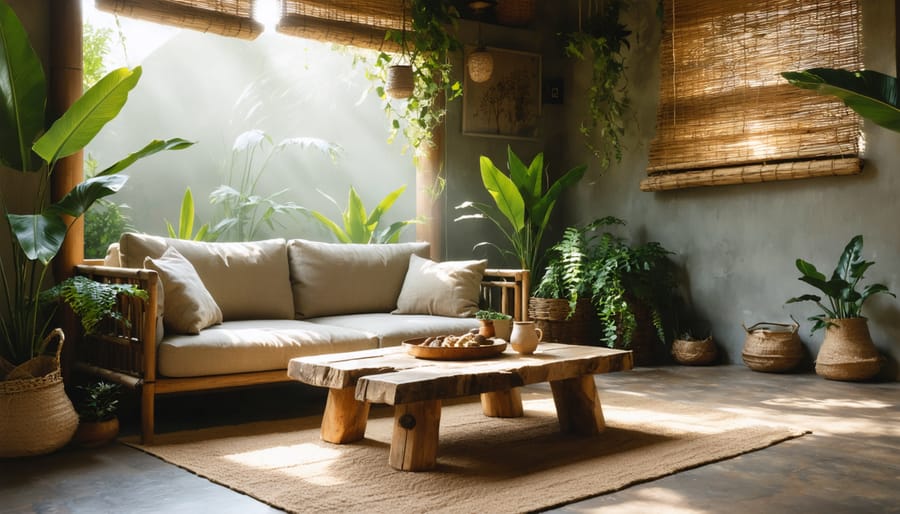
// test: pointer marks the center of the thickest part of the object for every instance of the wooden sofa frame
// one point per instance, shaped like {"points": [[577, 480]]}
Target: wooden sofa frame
{"points": [[125, 353]]}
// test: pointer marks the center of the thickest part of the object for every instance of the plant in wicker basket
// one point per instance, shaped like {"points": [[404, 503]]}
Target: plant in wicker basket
{"points": [[622, 283], [847, 352]]}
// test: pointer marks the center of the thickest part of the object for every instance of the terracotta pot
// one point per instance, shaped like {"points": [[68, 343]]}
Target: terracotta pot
{"points": [[847, 352], [91, 434], [486, 327]]}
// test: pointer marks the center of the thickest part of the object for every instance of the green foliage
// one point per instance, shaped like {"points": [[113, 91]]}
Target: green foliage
{"points": [[244, 212], [871, 94], [603, 40], [615, 276], [92, 301], [104, 222], [844, 301], [38, 236], [522, 207], [360, 227], [427, 47], [491, 314], [186, 222], [99, 401], [95, 47]]}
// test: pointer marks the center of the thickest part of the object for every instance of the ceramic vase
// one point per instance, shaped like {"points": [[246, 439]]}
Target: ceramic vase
{"points": [[525, 337]]}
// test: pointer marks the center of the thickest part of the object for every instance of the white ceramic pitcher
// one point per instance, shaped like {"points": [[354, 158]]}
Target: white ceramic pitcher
{"points": [[525, 337]]}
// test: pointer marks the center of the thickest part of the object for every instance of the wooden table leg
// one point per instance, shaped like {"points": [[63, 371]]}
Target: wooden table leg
{"points": [[345, 418], [415, 438], [502, 404], [578, 405]]}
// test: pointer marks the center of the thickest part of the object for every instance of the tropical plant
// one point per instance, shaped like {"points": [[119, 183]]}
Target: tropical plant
{"points": [[844, 300], [360, 227], [244, 212], [99, 401], [426, 47], [92, 301], [616, 277], [522, 207], [603, 39], [38, 236], [186, 219], [871, 94], [104, 222]]}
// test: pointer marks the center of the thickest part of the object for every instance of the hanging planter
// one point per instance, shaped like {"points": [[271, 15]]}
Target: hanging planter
{"points": [[515, 13], [400, 81]]}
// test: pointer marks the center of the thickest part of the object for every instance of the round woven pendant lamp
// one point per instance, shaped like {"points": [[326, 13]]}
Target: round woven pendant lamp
{"points": [[481, 65], [400, 81]]}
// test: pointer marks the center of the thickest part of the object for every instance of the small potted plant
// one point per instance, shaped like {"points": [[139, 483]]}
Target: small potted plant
{"points": [[98, 424], [847, 352], [500, 324]]}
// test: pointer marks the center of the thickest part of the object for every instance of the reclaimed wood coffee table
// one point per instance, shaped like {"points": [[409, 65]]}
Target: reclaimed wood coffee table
{"points": [[415, 387]]}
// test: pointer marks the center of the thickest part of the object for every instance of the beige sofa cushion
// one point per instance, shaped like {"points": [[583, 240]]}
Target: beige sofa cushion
{"points": [[189, 308], [393, 329], [441, 288], [330, 278], [247, 280], [253, 345]]}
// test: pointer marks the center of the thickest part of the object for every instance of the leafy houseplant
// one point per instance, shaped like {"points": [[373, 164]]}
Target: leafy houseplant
{"points": [[844, 300], [522, 206], [603, 39], [38, 236], [491, 315], [186, 218], [871, 94], [494, 323], [97, 409], [619, 279], [360, 227], [427, 45]]}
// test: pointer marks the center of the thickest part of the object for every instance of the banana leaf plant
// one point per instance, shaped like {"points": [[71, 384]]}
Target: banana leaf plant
{"points": [[37, 236], [362, 227], [186, 217], [871, 94], [844, 300], [522, 207]]}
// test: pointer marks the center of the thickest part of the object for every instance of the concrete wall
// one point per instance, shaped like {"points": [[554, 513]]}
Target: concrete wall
{"points": [[737, 244]]}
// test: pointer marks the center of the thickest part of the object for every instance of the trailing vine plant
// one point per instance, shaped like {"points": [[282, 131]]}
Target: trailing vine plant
{"points": [[427, 45], [602, 38]]}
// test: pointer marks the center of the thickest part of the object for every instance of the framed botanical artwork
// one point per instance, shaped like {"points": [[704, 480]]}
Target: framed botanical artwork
{"points": [[507, 105]]}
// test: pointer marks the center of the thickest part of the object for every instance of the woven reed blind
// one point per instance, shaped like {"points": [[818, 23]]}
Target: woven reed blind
{"points": [[725, 114], [233, 18], [360, 23]]}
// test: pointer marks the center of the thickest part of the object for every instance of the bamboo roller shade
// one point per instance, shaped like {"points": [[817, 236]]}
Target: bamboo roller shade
{"points": [[726, 116], [360, 23], [233, 18]]}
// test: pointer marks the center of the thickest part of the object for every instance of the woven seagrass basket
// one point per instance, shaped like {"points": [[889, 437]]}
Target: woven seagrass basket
{"points": [[692, 352], [551, 315], [847, 352], [772, 347], [36, 416]]}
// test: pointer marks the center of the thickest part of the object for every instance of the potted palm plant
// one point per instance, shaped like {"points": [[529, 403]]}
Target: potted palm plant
{"points": [[847, 352], [37, 236]]}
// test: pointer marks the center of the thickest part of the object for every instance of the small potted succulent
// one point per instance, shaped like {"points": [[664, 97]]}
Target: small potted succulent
{"points": [[495, 323], [98, 424]]}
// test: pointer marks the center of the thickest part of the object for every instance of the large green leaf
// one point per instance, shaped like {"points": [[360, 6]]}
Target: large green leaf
{"points": [[849, 257], [84, 194], [384, 205], [335, 229], [544, 207], [355, 219], [39, 235], [23, 93], [504, 192], [90, 113], [871, 94], [152, 147]]}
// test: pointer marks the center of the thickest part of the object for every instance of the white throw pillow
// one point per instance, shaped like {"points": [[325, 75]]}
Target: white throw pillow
{"points": [[441, 288], [189, 308]]}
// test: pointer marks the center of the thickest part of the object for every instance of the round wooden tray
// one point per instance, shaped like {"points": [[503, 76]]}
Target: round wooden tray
{"points": [[452, 354]]}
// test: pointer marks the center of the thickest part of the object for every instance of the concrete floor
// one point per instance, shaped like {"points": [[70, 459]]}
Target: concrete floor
{"points": [[850, 463]]}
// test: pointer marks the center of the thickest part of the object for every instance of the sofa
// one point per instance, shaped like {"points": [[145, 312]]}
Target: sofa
{"points": [[221, 315]]}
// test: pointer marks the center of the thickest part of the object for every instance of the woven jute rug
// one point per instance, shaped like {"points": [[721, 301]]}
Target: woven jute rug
{"points": [[484, 464]]}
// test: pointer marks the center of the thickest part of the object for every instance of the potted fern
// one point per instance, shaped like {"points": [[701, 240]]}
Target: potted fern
{"points": [[98, 423], [630, 289]]}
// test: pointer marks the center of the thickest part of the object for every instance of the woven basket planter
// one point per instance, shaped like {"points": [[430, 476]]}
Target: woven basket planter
{"points": [[36, 416], [551, 315], [400, 81], [692, 352], [847, 352], [772, 347]]}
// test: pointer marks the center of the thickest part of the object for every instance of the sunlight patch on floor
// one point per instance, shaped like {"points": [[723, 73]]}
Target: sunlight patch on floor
{"points": [[284, 459]]}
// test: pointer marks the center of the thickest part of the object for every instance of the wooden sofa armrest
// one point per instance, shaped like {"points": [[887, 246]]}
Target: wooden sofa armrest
{"points": [[515, 288], [124, 352]]}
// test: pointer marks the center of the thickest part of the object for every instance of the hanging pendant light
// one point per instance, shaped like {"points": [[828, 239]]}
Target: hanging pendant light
{"points": [[480, 62], [400, 82]]}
